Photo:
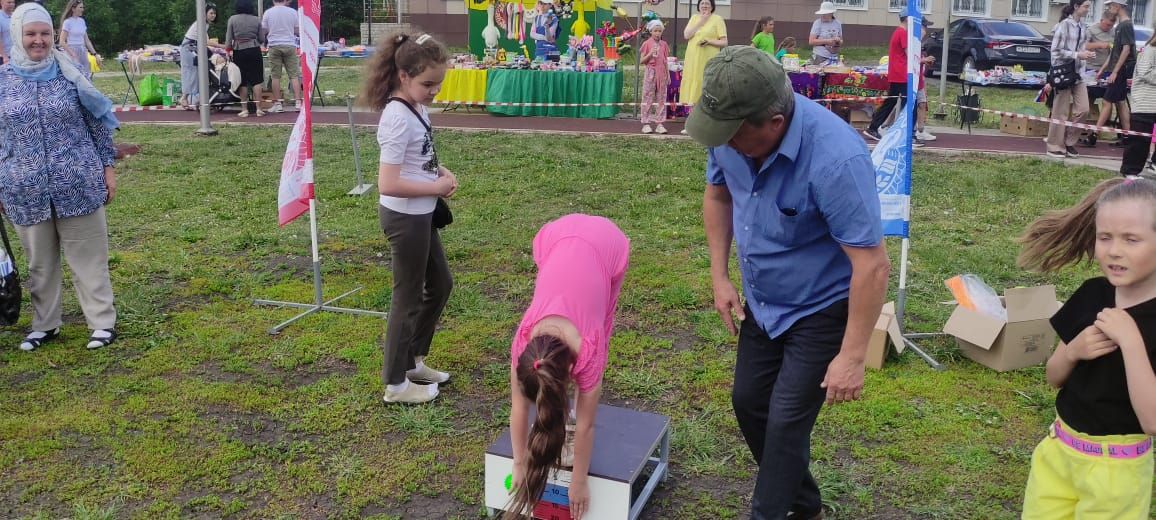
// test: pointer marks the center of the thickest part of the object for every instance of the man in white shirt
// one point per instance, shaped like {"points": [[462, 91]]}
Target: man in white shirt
{"points": [[280, 23]]}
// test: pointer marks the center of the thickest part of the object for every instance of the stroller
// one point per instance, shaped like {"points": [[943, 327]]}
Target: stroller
{"points": [[224, 80]]}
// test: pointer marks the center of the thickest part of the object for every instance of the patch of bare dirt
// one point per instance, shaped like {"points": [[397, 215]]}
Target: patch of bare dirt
{"points": [[420, 506]]}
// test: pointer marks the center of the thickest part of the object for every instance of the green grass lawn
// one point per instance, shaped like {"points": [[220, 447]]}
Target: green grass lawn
{"points": [[198, 412]]}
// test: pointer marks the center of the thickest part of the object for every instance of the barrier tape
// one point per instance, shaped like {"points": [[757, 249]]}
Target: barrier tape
{"points": [[842, 99], [1049, 120]]}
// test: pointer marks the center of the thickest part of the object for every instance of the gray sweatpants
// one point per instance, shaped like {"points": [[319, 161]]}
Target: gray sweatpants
{"points": [[421, 288], [84, 240]]}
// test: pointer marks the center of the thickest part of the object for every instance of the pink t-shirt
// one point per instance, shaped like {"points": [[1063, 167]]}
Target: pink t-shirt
{"points": [[658, 63], [581, 262]]}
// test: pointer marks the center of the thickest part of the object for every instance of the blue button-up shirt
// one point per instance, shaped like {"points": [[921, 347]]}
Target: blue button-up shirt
{"points": [[793, 214]]}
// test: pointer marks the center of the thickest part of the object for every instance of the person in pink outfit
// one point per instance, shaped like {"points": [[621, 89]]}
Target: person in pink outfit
{"points": [[563, 339], [654, 52]]}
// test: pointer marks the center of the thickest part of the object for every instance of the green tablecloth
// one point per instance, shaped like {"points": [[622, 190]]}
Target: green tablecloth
{"points": [[533, 86]]}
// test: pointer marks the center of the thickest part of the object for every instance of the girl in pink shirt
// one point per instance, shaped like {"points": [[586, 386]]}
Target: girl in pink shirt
{"points": [[654, 52], [563, 338]]}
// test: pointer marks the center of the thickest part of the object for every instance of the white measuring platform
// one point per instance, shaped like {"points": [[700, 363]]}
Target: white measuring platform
{"points": [[631, 456]]}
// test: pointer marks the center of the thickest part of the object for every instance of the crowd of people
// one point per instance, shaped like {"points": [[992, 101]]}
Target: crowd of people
{"points": [[814, 274], [786, 181], [245, 35]]}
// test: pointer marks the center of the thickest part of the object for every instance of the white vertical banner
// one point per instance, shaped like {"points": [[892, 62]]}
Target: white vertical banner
{"points": [[296, 188]]}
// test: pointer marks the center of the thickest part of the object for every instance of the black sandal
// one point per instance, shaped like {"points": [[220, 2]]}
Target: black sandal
{"points": [[95, 342], [30, 343]]}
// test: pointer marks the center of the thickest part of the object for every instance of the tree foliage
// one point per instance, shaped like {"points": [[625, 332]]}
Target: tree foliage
{"points": [[117, 25]]}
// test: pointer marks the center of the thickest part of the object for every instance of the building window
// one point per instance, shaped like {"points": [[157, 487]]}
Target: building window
{"points": [[969, 7], [858, 5], [1030, 9], [1140, 12], [897, 6]]}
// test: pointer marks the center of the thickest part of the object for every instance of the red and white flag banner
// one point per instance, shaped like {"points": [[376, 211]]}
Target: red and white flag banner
{"points": [[296, 189]]}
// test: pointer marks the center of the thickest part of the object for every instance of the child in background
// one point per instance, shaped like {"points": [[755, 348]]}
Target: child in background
{"points": [[763, 36], [787, 47], [1096, 461], [404, 76], [563, 339], [655, 79], [921, 132]]}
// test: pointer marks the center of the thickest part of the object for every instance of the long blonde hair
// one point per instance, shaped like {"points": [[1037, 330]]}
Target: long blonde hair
{"points": [[1068, 236]]}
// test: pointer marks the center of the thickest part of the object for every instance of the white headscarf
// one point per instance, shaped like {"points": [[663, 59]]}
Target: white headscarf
{"points": [[45, 69], [654, 23]]}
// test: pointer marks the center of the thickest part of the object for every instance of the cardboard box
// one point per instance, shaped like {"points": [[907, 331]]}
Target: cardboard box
{"points": [[886, 327], [859, 119], [1024, 340], [1021, 126]]}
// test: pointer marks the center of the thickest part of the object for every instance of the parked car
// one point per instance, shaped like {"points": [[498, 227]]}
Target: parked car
{"points": [[983, 44], [1142, 35]]}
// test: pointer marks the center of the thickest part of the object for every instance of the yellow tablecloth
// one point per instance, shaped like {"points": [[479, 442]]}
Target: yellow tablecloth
{"points": [[463, 86]]}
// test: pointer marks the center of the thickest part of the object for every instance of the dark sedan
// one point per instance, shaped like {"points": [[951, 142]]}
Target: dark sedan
{"points": [[983, 44]]}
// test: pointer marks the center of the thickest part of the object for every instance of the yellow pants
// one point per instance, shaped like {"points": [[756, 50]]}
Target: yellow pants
{"points": [[1067, 484]]}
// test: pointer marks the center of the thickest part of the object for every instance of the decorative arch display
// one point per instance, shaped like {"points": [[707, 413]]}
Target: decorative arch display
{"points": [[511, 23]]}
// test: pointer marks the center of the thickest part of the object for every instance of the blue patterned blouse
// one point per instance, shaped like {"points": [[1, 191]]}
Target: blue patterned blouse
{"points": [[52, 151]]}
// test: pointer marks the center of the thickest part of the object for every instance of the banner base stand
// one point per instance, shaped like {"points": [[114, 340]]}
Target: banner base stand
{"points": [[900, 307], [319, 304], [313, 308], [360, 189]]}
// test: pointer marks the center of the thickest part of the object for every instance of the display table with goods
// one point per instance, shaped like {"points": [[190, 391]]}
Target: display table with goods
{"points": [[602, 91], [511, 84]]}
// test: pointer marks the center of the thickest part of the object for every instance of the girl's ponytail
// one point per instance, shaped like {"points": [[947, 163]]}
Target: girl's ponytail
{"points": [[1070, 8], [543, 374], [399, 52], [786, 43], [1066, 236]]}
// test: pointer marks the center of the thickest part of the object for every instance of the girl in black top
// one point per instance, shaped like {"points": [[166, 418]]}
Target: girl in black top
{"points": [[1097, 459]]}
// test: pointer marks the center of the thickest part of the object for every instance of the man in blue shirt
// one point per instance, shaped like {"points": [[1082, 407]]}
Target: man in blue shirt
{"points": [[794, 186], [6, 8]]}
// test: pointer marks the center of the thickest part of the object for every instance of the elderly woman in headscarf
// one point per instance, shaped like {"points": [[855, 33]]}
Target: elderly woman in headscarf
{"points": [[56, 175]]}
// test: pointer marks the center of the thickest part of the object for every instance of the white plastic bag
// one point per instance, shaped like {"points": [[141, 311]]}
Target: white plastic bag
{"points": [[972, 293]]}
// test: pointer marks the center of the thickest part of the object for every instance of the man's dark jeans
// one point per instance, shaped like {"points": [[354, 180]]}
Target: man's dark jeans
{"points": [[777, 398], [897, 94]]}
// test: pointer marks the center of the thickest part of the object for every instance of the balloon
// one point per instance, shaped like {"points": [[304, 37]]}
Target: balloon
{"points": [[620, 12]]}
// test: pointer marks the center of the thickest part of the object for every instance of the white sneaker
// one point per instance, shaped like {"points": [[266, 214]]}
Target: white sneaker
{"points": [[297, 105], [646, 129], [925, 135], [683, 131], [277, 108], [413, 393], [660, 129], [423, 374]]}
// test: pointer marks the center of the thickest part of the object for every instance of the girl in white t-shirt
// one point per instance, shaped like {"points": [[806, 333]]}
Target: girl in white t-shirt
{"points": [[74, 36], [403, 77]]}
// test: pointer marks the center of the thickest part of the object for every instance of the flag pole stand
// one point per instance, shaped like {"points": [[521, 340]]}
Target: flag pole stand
{"points": [[319, 304], [910, 106], [361, 186], [900, 310]]}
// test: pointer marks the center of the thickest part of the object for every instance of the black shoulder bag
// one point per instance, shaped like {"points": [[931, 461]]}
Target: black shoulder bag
{"points": [[442, 216], [1065, 75], [9, 286]]}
